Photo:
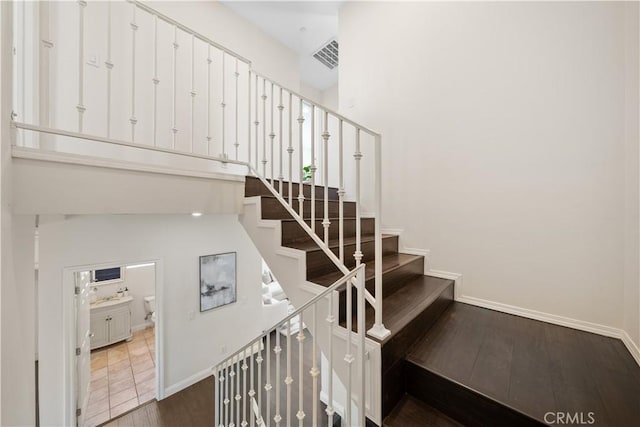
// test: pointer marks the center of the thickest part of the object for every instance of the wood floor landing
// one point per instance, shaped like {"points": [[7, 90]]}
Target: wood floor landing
{"points": [[524, 365]]}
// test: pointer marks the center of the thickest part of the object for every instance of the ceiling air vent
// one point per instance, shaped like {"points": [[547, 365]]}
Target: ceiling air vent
{"points": [[328, 54]]}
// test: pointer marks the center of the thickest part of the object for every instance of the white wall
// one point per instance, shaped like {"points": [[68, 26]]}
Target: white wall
{"points": [[503, 143], [190, 346], [141, 282], [632, 178]]}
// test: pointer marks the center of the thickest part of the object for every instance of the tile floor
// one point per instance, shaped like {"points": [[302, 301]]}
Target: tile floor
{"points": [[123, 377]]}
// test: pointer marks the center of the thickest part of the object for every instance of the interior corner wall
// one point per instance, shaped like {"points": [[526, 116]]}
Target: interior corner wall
{"points": [[503, 143], [191, 346], [632, 176]]}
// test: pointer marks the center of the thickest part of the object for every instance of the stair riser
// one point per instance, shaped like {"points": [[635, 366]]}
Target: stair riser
{"points": [[391, 281], [459, 402], [292, 232], [272, 209], [394, 350], [318, 263], [255, 187]]}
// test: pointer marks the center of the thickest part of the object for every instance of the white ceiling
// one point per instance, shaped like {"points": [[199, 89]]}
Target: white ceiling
{"points": [[284, 20]]}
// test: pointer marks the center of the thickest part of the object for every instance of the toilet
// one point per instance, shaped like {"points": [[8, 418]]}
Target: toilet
{"points": [[150, 307]]}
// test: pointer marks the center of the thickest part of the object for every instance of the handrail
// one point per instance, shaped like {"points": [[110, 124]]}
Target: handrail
{"points": [[322, 107], [187, 30]]}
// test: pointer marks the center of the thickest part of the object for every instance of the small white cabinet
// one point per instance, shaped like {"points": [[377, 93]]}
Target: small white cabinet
{"points": [[110, 322]]}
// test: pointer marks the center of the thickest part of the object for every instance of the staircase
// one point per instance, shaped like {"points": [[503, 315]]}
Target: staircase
{"points": [[412, 301]]}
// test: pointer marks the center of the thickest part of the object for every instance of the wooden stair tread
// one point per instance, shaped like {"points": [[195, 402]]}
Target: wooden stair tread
{"points": [[411, 412], [389, 262], [405, 304], [309, 246]]}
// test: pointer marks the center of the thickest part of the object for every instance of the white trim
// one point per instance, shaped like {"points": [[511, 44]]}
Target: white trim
{"points": [[142, 326], [631, 346], [181, 385]]}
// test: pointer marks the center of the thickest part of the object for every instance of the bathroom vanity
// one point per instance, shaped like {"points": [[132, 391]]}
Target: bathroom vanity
{"points": [[110, 321]]}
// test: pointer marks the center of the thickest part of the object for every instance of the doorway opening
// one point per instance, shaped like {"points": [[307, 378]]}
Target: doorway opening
{"points": [[115, 332]]}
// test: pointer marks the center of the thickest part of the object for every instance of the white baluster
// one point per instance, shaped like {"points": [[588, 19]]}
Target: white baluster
{"points": [[357, 156], [300, 415], [216, 397], [232, 376], [277, 350], [280, 176], [330, 320], [325, 166], [271, 136], [174, 113], [267, 386], [237, 144], [244, 388], [80, 107], [252, 391], [223, 104], [264, 128], [238, 395], [259, 362], [314, 368], [249, 117], [360, 280], [378, 330], [192, 92], [209, 61], [155, 80], [348, 357], [257, 123], [288, 380], [301, 158], [313, 168], [226, 394], [109, 66], [341, 193], [221, 393], [134, 28], [290, 149]]}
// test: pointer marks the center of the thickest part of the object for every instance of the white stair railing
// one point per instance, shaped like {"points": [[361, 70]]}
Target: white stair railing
{"points": [[312, 146], [241, 407]]}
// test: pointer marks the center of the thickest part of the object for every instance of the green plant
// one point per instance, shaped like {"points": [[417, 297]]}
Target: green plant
{"points": [[307, 173]]}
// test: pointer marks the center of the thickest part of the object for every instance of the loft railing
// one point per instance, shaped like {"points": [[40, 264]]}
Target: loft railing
{"points": [[165, 88], [241, 378]]}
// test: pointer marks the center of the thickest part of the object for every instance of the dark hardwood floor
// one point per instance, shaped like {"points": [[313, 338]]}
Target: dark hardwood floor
{"points": [[524, 366]]}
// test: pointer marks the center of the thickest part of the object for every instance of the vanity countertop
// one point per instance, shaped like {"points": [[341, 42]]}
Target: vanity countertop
{"points": [[110, 302]]}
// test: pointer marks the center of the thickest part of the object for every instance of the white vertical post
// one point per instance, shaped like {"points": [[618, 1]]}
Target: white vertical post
{"points": [[134, 28], [301, 158], [44, 75], [378, 330], [290, 149], [357, 156], [362, 409], [330, 320], [271, 136], [192, 92], [288, 380], [223, 104], [348, 357], [155, 80], [80, 107], [236, 144], [314, 368], [300, 415], [257, 123], [277, 350], [280, 176], [259, 360], [313, 167], [231, 379], [249, 115], [216, 397], [340, 193], [238, 396], [226, 394], [252, 391], [268, 386], [264, 128], [174, 128], [325, 172], [209, 61], [244, 387], [109, 66]]}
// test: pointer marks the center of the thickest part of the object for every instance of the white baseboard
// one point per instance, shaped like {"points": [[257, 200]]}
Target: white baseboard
{"points": [[181, 385], [142, 326], [631, 346]]}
